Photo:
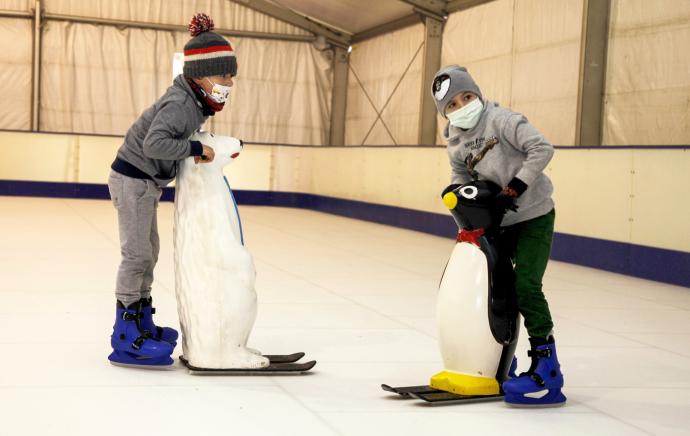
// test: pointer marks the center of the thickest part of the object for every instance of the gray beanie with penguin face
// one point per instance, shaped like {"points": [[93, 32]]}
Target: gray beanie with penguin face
{"points": [[449, 82]]}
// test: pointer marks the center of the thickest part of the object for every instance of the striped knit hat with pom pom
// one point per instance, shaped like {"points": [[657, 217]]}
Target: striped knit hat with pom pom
{"points": [[207, 53]]}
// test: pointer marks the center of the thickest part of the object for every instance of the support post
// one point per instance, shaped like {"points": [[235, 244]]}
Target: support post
{"points": [[341, 62], [433, 37], [590, 108], [36, 69]]}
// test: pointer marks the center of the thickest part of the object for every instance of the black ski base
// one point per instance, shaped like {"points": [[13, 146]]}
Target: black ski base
{"points": [[280, 365], [407, 391], [437, 397]]}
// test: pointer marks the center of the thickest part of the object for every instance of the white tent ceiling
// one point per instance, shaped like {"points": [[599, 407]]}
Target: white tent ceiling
{"points": [[351, 16], [350, 21]]}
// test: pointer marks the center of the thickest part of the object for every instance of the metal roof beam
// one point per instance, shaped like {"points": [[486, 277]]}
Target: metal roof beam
{"points": [[391, 26], [434, 8], [288, 16], [459, 5], [422, 9], [15, 14], [174, 27]]}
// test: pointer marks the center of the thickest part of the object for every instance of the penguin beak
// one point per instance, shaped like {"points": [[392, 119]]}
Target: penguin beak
{"points": [[450, 200]]}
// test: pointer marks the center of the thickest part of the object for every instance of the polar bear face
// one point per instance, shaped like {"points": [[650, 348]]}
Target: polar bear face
{"points": [[226, 148]]}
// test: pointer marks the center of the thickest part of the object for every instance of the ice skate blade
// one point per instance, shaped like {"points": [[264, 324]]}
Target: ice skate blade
{"points": [[272, 369], [535, 406], [127, 360], [166, 367], [556, 399]]}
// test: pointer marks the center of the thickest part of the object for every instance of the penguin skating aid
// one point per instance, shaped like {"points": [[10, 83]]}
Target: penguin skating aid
{"points": [[475, 295], [215, 273]]}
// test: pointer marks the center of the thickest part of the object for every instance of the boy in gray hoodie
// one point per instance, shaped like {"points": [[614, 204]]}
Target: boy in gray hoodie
{"points": [[146, 162], [488, 142]]}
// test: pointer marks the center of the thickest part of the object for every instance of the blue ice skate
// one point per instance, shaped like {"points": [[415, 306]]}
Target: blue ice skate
{"points": [[166, 334], [134, 346], [541, 385]]}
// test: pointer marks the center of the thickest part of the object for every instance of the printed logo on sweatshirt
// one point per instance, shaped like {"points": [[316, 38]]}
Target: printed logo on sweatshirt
{"points": [[478, 143], [471, 161]]}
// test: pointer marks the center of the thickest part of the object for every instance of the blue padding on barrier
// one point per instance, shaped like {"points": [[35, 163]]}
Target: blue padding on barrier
{"points": [[92, 191], [651, 263], [53, 189]]}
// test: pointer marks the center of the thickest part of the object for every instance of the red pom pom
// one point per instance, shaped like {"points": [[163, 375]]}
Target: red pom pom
{"points": [[200, 23]]}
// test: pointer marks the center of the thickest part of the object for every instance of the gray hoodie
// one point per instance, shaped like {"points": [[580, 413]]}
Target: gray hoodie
{"points": [[160, 136], [521, 151]]}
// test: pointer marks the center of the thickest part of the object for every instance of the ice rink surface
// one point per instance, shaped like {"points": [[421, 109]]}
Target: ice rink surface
{"points": [[358, 297]]}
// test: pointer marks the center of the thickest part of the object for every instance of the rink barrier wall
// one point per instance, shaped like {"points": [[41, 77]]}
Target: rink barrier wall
{"points": [[663, 265]]}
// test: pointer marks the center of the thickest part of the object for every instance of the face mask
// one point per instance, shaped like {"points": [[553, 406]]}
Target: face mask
{"points": [[219, 93], [467, 116]]}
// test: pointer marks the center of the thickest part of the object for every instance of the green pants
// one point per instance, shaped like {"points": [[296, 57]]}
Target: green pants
{"points": [[528, 245]]}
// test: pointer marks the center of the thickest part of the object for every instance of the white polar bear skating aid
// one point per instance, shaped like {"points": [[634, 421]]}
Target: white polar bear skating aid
{"points": [[214, 272]]}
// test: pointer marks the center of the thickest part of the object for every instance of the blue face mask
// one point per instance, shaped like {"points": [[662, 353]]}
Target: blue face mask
{"points": [[467, 116]]}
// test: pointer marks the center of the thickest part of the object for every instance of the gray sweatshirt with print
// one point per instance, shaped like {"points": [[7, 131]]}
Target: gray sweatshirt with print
{"points": [[160, 136], [521, 152]]}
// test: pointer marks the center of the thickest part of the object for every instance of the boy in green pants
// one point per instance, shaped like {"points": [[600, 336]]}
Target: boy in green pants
{"points": [[488, 142]]}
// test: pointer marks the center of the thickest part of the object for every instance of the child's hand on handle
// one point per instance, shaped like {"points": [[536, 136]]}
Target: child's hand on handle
{"points": [[207, 156], [505, 199]]}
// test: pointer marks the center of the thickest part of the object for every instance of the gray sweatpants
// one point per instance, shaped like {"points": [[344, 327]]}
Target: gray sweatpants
{"points": [[136, 201]]}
